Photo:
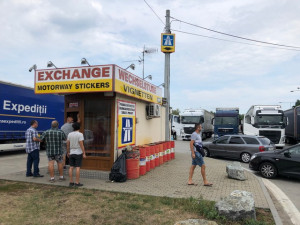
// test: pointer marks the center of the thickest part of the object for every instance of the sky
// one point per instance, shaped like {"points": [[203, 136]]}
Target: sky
{"points": [[205, 72]]}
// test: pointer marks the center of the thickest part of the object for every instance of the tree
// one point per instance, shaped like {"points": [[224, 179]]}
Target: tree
{"points": [[297, 102], [175, 112]]}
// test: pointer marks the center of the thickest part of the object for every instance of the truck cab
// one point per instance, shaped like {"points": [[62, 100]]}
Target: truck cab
{"points": [[226, 121]]}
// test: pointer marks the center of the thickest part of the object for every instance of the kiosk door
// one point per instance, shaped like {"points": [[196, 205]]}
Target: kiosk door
{"points": [[98, 133]]}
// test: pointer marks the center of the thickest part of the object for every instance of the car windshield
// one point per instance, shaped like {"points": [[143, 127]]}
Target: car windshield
{"points": [[225, 120], [191, 119], [264, 141], [269, 119]]}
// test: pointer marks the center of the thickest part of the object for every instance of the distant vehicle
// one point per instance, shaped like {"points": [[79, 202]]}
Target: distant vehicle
{"points": [[268, 121], [237, 146], [175, 126], [18, 107], [190, 117], [226, 121], [292, 130], [281, 162]]}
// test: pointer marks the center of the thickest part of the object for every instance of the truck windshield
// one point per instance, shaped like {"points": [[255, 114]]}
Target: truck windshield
{"points": [[225, 120], [269, 120], [191, 119]]}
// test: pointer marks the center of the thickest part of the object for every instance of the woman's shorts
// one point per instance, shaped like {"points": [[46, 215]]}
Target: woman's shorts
{"points": [[198, 160]]}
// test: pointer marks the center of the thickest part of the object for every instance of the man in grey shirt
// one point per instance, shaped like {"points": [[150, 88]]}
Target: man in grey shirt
{"points": [[197, 158], [66, 128]]}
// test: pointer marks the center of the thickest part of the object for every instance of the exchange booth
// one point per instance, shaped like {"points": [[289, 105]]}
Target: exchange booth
{"points": [[115, 108]]}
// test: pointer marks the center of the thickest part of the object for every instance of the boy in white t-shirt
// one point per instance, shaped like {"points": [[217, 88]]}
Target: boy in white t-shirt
{"points": [[76, 152]]}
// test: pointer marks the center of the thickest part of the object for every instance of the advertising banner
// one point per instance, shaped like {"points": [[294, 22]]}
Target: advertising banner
{"points": [[126, 123], [129, 84], [74, 80]]}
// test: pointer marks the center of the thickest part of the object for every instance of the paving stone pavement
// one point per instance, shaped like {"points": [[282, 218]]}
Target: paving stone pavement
{"points": [[169, 179]]}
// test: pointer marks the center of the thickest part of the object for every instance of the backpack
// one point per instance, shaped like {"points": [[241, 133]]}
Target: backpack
{"points": [[118, 170]]}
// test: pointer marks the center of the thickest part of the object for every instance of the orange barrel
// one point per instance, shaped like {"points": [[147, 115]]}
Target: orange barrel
{"points": [[172, 149], [161, 154], [168, 150], [147, 158], [156, 155], [165, 152], [133, 168], [143, 166], [152, 157], [142, 151]]}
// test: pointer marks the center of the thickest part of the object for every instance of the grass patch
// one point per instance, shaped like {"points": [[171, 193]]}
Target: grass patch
{"points": [[26, 203]]}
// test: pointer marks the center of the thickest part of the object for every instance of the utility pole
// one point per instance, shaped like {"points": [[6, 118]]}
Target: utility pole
{"points": [[167, 79]]}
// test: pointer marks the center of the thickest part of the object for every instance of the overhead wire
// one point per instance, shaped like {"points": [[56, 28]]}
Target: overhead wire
{"points": [[221, 39], [235, 36], [154, 12]]}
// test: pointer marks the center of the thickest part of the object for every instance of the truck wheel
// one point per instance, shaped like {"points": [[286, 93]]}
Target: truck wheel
{"points": [[245, 157], [268, 170]]}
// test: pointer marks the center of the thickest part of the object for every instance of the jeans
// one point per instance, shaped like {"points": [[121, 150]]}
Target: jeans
{"points": [[33, 158]]}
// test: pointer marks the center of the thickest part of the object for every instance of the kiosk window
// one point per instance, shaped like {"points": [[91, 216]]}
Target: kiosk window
{"points": [[97, 123]]}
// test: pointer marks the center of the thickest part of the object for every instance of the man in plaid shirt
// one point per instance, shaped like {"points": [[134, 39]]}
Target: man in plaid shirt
{"points": [[54, 138], [33, 150]]}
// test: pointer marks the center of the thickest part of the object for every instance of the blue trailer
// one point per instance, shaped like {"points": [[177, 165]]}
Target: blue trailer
{"points": [[226, 121], [19, 105], [292, 130]]}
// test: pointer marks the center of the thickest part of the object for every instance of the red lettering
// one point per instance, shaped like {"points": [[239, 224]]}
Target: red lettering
{"points": [[121, 74], [66, 74], [86, 73], [40, 75], [96, 72], [126, 77], [48, 75], [56, 73], [75, 74], [105, 71]]}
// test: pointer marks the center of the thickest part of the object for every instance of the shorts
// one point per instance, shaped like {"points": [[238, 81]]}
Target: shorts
{"points": [[75, 160], [198, 160], [57, 158]]}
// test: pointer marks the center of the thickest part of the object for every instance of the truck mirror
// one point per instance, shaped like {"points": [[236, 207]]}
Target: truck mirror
{"points": [[201, 120], [213, 121], [286, 120]]}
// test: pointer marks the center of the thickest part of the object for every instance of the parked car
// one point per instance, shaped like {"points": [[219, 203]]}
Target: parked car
{"points": [[238, 146], [283, 162]]}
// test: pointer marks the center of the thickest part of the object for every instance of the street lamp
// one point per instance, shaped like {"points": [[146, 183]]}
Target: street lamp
{"points": [[163, 85], [146, 51], [51, 64], [32, 68], [149, 77], [288, 102], [131, 66], [84, 61]]}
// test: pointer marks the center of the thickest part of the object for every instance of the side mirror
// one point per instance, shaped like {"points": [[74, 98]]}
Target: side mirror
{"points": [[213, 121], [287, 154]]}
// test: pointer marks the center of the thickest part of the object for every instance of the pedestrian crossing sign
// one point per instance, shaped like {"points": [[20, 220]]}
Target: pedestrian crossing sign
{"points": [[168, 42]]}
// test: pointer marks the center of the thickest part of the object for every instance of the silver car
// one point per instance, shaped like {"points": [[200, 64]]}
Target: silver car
{"points": [[238, 146]]}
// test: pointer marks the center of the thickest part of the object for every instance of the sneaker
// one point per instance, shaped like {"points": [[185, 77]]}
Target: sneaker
{"points": [[52, 180], [39, 175], [62, 179], [78, 185], [71, 184], [30, 175]]}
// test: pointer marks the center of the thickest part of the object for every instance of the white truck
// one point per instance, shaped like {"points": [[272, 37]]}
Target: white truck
{"points": [[268, 121], [188, 119]]}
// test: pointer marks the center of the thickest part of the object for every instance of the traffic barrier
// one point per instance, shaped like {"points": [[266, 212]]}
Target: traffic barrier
{"points": [[161, 153], [172, 149], [142, 166], [142, 150], [152, 157], [165, 152], [156, 155], [147, 158], [168, 150], [132, 168]]}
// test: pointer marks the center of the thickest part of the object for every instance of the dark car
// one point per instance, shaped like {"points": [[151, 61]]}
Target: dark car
{"points": [[238, 146], [281, 162]]}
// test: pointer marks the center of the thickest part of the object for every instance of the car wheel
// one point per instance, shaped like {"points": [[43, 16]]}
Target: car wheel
{"points": [[206, 151], [245, 157], [268, 170]]}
